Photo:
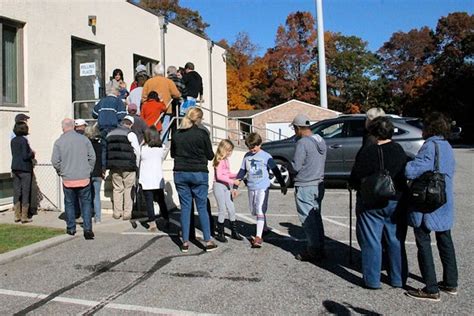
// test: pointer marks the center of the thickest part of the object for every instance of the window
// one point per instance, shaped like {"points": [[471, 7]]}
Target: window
{"points": [[147, 62], [11, 61], [330, 131], [356, 128], [6, 189]]}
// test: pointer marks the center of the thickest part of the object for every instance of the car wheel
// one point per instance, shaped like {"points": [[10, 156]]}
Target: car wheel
{"points": [[283, 167]]}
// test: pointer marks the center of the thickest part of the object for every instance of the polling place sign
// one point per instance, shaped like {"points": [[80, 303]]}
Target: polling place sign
{"points": [[87, 69]]}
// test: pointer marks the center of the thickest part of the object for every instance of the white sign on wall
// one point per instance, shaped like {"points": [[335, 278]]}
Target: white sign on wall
{"points": [[87, 69]]}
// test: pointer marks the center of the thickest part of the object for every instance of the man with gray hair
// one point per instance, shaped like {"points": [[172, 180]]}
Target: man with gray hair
{"points": [[74, 158], [109, 112]]}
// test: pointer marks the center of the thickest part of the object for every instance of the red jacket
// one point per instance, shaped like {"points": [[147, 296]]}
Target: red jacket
{"points": [[151, 111]]}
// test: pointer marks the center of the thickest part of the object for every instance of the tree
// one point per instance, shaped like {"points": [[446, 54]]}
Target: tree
{"points": [[352, 73], [173, 12], [286, 73], [239, 58], [406, 60]]}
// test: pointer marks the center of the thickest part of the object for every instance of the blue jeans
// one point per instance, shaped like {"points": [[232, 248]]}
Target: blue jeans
{"points": [[191, 185], [84, 196], [371, 224], [447, 254], [166, 122], [308, 204], [96, 184]]}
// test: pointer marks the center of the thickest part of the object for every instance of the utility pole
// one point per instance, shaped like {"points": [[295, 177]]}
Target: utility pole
{"points": [[321, 56]]}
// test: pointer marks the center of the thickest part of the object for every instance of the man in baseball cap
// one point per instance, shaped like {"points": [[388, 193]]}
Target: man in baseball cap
{"points": [[307, 168], [80, 126], [21, 118]]}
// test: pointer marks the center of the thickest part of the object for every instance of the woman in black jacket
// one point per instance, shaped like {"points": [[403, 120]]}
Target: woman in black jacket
{"points": [[383, 217], [22, 169], [191, 149]]}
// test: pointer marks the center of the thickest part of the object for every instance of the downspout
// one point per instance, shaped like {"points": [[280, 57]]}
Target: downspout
{"points": [[210, 45], [163, 27]]}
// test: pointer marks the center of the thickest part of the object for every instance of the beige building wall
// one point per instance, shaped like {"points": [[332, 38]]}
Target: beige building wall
{"points": [[124, 30]]}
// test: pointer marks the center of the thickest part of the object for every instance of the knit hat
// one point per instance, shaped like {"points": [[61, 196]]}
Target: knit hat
{"points": [[132, 106]]}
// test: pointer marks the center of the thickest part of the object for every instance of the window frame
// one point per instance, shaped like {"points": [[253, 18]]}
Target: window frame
{"points": [[19, 26]]}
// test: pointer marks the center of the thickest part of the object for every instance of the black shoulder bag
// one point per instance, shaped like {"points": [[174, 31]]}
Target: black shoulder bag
{"points": [[428, 191], [377, 188]]}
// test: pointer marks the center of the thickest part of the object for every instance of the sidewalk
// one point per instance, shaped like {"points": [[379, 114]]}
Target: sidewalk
{"points": [[52, 219]]}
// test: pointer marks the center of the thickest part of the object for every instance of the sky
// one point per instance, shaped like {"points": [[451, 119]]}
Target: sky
{"points": [[372, 20]]}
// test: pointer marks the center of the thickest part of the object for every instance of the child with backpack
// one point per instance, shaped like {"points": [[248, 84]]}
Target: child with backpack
{"points": [[223, 182], [255, 166]]}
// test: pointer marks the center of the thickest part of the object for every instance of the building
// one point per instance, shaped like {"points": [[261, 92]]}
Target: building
{"points": [[57, 57], [274, 123]]}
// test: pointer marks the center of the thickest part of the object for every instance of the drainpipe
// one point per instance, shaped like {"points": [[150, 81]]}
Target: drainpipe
{"points": [[163, 27], [210, 45]]}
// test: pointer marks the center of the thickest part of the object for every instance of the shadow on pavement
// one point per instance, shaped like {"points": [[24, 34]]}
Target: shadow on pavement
{"points": [[345, 309]]}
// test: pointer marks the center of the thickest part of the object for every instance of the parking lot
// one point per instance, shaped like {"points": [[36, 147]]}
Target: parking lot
{"points": [[125, 272]]}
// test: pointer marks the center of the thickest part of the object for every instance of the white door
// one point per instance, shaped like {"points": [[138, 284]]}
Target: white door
{"points": [[277, 131]]}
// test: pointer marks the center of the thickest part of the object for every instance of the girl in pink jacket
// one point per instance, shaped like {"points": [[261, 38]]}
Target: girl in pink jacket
{"points": [[223, 182]]}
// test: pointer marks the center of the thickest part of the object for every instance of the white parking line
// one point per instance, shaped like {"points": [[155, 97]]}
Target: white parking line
{"points": [[252, 221], [126, 307]]}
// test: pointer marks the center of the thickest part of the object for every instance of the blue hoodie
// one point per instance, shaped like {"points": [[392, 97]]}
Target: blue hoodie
{"points": [[441, 219], [109, 112]]}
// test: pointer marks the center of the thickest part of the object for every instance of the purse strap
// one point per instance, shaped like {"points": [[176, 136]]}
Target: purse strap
{"points": [[380, 154], [436, 162]]}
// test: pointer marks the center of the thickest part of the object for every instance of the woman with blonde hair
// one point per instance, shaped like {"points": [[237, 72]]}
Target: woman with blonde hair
{"points": [[223, 182], [191, 149]]}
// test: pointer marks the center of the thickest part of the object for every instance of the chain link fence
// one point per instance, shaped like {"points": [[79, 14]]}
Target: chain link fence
{"points": [[50, 188]]}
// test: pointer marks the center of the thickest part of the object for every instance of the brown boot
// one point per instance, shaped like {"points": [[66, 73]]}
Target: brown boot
{"points": [[17, 210], [24, 214]]}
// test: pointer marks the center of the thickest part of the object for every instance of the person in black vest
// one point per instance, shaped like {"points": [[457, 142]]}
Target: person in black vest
{"points": [[123, 152], [22, 169]]}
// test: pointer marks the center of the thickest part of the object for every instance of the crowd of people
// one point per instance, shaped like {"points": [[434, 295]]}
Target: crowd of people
{"points": [[128, 140]]}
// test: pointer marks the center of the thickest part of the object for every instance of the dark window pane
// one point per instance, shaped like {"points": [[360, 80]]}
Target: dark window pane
{"points": [[10, 65]]}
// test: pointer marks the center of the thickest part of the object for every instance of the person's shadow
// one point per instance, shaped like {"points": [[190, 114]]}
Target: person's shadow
{"points": [[344, 309]]}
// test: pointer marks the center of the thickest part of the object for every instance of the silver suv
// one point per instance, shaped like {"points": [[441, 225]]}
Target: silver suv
{"points": [[343, 136]]}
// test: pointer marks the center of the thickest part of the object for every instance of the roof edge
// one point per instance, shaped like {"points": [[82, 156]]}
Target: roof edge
{"points": [[176, 24]]}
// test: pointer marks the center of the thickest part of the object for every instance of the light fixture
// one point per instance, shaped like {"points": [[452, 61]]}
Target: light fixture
{"points": [[92, 20]]}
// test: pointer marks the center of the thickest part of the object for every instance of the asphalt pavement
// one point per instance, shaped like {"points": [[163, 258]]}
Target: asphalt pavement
{"points": [[127, 271]]}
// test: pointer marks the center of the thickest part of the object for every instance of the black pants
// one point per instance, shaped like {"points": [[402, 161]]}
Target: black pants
{"points": [[447, 255], [21, 187], [192, 228], [158, 196]]}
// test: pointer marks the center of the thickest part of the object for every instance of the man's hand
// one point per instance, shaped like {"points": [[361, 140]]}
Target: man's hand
{"points": [[284, 189]]}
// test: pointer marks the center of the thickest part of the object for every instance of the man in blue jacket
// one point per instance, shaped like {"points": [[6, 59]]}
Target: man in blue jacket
{"points": [[109, 112]]}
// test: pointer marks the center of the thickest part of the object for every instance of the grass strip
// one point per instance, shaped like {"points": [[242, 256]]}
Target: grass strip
{"points": [[14, 236]]}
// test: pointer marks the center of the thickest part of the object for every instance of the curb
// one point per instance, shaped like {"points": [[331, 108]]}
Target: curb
{"points": [[33, 248]]}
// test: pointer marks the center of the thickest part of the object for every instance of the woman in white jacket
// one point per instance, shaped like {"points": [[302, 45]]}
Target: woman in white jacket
{"points": [[151, 175]]}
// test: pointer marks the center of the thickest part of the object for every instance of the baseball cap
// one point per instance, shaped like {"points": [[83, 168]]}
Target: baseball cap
{"points": [[80, 122], [130, 118], [21, 117], [140, 68], [301, 120]]}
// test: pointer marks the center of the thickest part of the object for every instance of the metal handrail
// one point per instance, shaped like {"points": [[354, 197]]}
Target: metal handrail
{"points": [[252, 127]]}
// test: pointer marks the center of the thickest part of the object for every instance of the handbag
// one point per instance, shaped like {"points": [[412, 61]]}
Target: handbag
{"points": [[428, 191], [378, 188]]}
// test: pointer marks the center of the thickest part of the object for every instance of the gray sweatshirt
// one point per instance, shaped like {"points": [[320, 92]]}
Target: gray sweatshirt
{"points": [[308, 162], [73, 156]]}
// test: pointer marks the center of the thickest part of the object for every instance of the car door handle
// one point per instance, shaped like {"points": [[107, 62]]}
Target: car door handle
{"points": [[335, 146]]}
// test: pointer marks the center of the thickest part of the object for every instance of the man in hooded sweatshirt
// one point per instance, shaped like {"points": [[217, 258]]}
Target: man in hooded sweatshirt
{"points": [[307, 168]]}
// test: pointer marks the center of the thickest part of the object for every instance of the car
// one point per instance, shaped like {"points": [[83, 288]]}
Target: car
{"points": [[343, 136]]}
